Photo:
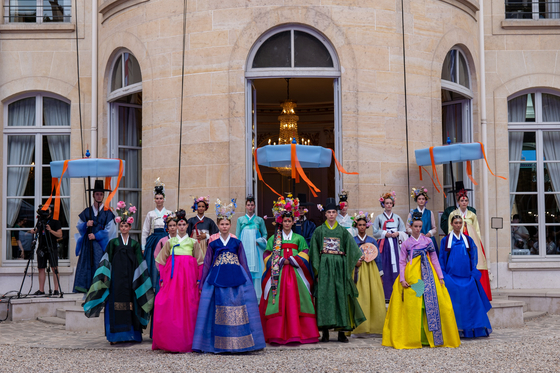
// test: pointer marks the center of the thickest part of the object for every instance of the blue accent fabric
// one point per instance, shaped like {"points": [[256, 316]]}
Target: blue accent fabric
{"points": [[305, 229], [281, 156], [225, 275], [448, 153], [93, 167], [173, 258], [470, 302], [427, 225], [389, 276], [151, 243], [127, 336]]}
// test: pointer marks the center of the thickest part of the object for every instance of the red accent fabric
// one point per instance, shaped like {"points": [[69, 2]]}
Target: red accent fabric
{"points": [[289, 325], [382, 241]]}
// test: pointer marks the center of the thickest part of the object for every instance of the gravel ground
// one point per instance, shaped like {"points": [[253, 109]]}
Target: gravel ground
{"points": [[534, 353]]}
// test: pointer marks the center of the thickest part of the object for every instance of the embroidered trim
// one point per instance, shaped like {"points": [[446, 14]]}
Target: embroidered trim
{"points": [[234, 343], [231, 316], [226, 258], [123, 306]]}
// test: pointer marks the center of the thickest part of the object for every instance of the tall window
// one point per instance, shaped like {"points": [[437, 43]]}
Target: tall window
{"points": [[534, 173], [126, 129], [456, 97], [36, 132], [37, 11], [533, 9]]}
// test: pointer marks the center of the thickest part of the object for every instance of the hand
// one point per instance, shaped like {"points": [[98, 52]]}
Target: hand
{"points": [[359, 264], [441, 282], [388, 235], [91, 237], [429, 234], [395, 235], [404, 284], [21, 256], [90, 223], [33, 231], [201, 236], [48, 227]]}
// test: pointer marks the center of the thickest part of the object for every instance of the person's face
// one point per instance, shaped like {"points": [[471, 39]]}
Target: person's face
{"points": [[388, 204], [224, 226], [98, 196], [515, 221], [287, 223], [463, 202], [159, 200], [457, 225], [362, 226], [344, 210], [201, 208], [421, 201], [250, 207], [331, 216], [416, 227], [124, 227], [301, 210], [172, 227], [182, 227]]}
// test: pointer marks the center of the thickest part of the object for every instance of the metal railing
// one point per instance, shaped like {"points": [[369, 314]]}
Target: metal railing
{"points": [[532, 9], [30, 11]]}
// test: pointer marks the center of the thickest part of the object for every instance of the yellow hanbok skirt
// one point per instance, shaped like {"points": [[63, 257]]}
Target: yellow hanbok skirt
{"points": [[403, 324], [371, 298]]}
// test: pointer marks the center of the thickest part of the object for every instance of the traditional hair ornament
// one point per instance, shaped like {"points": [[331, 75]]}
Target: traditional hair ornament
{"points": [[197, 200], [224, 211], [343, 196], [167, 218], [362, 215], [414, 216], [462, 193], [124, 214], [392, 196], [417, 192], [285, 207], [250, 198], [180, 215], [159, 188]]}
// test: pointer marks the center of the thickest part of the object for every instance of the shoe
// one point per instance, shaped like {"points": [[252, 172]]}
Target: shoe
{"points": [[39, 292], [55, 292], [342, 337], [325, 337]]}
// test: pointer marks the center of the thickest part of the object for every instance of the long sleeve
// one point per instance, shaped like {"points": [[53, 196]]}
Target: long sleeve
{"points": [[207, 265], [403, 258], [475, 224], [103, 236], [377, 226], [433, 231], [315, 250], [435, 263], [402, 227], [408, 227], [80, 236], [190, 227], [243, 258], [238, 227], [146, 229], [443, 253], [473, 254], [262, 228]]}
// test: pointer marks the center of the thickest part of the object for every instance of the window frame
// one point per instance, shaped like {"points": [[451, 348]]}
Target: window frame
{"points": [[38, 131], [535, 14], [38, 19], [124, 90], [538, 127]]}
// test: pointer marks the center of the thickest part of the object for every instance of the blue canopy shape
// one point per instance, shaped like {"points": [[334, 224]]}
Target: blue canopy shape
{"points": [[281, 156], [449, 153], [93, 167]]}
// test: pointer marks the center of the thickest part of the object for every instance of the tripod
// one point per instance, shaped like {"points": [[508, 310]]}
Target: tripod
{"points": [[33, 244]]}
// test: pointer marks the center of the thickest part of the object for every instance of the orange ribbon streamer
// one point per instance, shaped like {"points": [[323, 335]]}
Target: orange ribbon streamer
{"points": [[112, 194], [260, 176], [339, 166], [299, 169], [54, 182], [469, 172], [434, 171], [486, 160]]}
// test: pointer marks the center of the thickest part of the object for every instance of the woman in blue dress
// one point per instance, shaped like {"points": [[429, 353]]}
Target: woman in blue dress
{"points": [[228, 316], [458, 258], [429, 228]]}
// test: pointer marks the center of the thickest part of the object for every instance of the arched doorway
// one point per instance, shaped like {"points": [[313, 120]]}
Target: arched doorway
{"points": [[304, 60]]}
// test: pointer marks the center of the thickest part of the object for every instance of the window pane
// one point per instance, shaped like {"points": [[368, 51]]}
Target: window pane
{"points": [[133, 168], [23, 10], [22, 112], [525, 206], [449, 69], [63, 214], [21, 181], [523, 177], [116, 80], [57, 11], [55, 112], [130, 126], [522, 109], [310, 51], [25, 238], [21, 212], [452, 119], [551, 207], [276, 51], [524, 240], [134, 198], [522, 146], [21, 150], [551, 107], [132, 72], [519, 9], [553, 238], [551, 145], [463, 71]]}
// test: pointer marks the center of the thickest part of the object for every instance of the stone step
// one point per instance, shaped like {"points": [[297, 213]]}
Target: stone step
{"points": [[52, 320], [528, 316], [76, 320], [61, 312], [506, 313]]}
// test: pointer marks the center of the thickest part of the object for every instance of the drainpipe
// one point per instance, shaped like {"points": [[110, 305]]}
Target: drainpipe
{"points": [[93, 145], [485, 210]]}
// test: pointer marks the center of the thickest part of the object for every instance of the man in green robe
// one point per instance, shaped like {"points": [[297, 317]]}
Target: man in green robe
{"points": [[334, 254]]}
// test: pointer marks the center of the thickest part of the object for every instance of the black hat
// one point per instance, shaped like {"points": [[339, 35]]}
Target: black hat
{"points": [[459, 186], [98, 187], [303, 200], [331, 204]]}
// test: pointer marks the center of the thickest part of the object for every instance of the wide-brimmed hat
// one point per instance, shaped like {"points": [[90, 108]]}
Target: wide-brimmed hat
{"points": [[98, 187]]}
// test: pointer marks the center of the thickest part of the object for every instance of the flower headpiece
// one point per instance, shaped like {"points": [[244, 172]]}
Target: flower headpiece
{"points": [[197, 200], [362, 215], [159, 188], [125, 214], [285, 207], [168, 217], [392, 196], [224, 211], [462, 193], [416, 192]]}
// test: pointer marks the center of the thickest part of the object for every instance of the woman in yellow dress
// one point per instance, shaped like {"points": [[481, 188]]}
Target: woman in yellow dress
{"points": [[420, 311]]}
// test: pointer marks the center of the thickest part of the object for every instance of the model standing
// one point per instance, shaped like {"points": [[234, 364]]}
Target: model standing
{"points": [[343, 218], [429, 228], [201, 227]]}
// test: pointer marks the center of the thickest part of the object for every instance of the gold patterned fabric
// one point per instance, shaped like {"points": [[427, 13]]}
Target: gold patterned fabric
{"points": [[234, 343], [226, 258], [123, 306], [331, 245], [231, 315]]}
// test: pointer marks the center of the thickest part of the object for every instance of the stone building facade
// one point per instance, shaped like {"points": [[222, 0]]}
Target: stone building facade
{"points": [[354, 104]]}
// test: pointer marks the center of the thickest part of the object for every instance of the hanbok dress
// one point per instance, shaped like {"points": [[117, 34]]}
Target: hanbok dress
{"points": [[198, 226], [389, 248], [421, 314], [428, 224], [458, 258], [370, 289], [89, 252], [252, 233], [305, 228], [153, 231], [160, 245], [228, 316], [334, 255], [472, 229], [346, 222], [123, 286], [176, 304], [287, 310]]}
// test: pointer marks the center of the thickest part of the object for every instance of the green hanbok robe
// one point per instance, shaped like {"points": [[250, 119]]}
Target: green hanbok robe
{"points": [[333, 255]]}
